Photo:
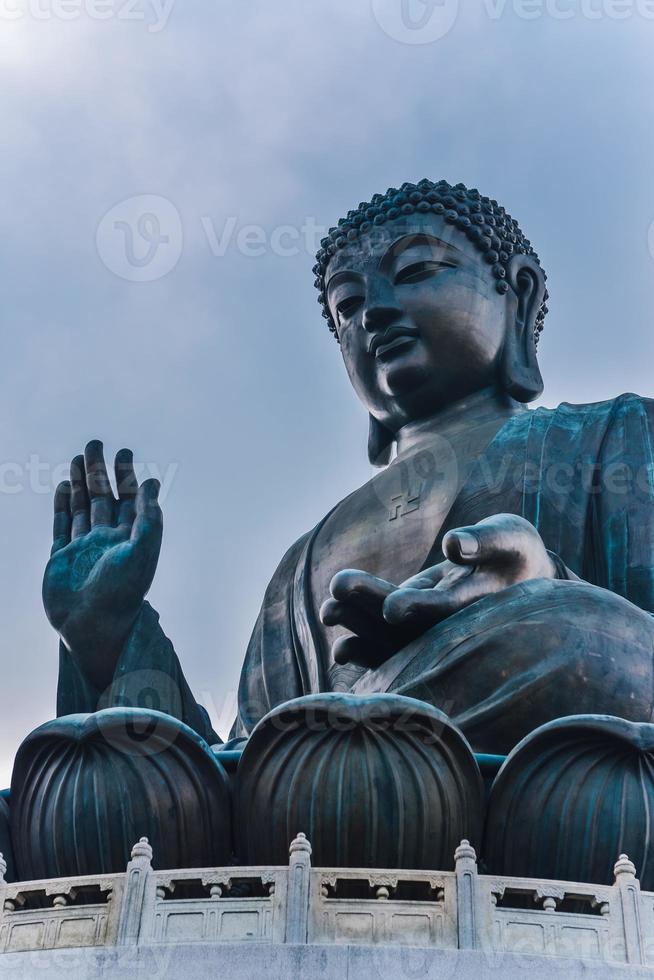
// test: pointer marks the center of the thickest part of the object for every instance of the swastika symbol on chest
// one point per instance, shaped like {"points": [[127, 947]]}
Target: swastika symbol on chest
{"points": [[404, 503]]}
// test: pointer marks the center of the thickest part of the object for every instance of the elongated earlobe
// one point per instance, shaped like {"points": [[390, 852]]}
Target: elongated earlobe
{"points": [[380, 443], [520, 373]]}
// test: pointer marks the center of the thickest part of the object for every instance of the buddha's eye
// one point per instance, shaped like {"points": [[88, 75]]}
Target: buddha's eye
{"points": [[419, 271], [348, 306]]}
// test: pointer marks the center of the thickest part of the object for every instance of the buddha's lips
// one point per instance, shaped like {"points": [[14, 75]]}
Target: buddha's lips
{"points": [[390, 340]]}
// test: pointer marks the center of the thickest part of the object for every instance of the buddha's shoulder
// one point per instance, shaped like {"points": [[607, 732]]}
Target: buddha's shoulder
{"points": [[604, 413], [617, 426], [589, 419]]}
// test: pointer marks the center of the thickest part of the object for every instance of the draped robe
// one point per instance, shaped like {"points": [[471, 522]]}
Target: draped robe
{"points": [[583, 475]]}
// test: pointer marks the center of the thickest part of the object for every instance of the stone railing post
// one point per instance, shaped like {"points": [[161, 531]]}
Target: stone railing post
{"points": [[465, 861], [297, 894], [628, 888], [134, 894]]}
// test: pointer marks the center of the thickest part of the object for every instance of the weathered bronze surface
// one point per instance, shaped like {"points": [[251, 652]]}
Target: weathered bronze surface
{"points": [[566, 648], [569, 796], [500, 567], [380, 781], [85, 787]]}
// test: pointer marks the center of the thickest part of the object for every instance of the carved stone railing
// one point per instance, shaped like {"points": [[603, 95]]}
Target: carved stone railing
{"points": [[298, 904]]}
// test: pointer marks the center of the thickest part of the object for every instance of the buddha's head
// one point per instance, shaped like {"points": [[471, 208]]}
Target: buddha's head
{"points": [[433, 294]]}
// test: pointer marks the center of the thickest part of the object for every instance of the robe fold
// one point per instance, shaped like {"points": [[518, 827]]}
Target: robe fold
{"points": [[148, 675]]}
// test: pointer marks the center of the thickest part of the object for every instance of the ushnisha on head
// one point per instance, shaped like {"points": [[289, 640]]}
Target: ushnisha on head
{"points": [[434, 294]]}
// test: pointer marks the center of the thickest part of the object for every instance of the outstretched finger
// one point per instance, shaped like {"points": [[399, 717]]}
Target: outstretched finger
{"points": [[502, 538], [144, 542], [127, 486], [62, 523], [360, 588], [103, 504], [79, 499], [148, 522]]}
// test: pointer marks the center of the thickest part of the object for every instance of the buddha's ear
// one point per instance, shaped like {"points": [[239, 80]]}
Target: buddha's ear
{"points": [[521, 375], [380, 443]]}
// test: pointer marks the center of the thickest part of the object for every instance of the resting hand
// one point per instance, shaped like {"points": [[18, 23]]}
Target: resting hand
{"points": [[479, 560], [357, 603]]}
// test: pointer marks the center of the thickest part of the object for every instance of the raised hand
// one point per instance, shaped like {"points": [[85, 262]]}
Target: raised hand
{"points": [[480, 560], [104, 556]]}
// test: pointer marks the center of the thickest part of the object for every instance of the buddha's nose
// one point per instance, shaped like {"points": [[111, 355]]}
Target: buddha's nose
{"points": [[381, 309]]}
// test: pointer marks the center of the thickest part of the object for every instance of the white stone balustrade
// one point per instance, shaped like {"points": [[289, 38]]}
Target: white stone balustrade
{"points": [[301, 905]]}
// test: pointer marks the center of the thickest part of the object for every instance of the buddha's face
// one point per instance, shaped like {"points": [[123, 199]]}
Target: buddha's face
{"points": [[419, 318]]}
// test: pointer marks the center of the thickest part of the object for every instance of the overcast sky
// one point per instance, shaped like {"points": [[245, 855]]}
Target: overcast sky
{"points": [[196, 339]]}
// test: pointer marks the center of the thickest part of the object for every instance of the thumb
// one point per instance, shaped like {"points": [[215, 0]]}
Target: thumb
{"points": [[503, 538]]}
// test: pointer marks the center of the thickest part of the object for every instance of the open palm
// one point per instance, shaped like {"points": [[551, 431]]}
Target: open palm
{"points": [[104, 556]]}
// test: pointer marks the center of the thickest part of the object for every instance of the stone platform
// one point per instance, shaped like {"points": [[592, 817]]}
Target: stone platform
{"points": [[243, 961], [300, 921]]}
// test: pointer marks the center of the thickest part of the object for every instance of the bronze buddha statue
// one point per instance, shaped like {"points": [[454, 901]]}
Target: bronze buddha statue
{"points": [[499, 566]]}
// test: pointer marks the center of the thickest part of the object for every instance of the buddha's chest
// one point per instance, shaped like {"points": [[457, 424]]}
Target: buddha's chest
{"points": [[389, 526]]}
